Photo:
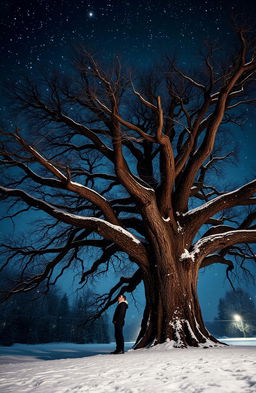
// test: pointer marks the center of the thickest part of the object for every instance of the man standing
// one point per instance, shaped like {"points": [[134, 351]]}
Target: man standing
{"points": [[118, 321]]}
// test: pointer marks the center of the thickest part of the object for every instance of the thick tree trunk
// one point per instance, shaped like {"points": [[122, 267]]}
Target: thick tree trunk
{"points": [[172, 313]]}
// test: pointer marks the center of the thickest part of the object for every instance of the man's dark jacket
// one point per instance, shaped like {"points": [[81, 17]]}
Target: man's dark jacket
{"points": [[120, 312]]}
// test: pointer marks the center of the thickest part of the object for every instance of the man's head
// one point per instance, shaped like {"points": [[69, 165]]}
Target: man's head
{"points": [[121, 298]]}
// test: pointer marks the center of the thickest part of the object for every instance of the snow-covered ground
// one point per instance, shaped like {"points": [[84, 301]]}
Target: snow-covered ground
{"points": [[73, 368]]}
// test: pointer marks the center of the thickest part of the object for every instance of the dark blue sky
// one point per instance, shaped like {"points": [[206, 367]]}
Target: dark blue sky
{"points": [[40, 34]]}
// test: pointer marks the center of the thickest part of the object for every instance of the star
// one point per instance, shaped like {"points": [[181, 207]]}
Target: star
{"points": [[90, 14]]}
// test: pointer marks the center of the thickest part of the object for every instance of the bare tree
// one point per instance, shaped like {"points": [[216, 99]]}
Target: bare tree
{"points": [[123, 167]]}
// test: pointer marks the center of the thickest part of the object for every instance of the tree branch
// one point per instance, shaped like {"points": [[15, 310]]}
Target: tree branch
{"points": [[207, 145], [125, 284], [123, 238], [195, 218], [212, 243]]}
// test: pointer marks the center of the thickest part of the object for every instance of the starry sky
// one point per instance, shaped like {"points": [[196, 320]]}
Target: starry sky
{"points": [[41, 32], [36, 34]]}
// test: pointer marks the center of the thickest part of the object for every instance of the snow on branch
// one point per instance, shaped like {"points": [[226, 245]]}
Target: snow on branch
{"points": [[115, 233], [200, 215], [238, 72], [209, 244], [66, 182]]}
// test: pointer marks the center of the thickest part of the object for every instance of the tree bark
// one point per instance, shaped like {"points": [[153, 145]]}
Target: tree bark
{"points": [[172, 312]]}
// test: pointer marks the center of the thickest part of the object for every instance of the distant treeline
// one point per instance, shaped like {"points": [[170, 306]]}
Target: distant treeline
{"points": [[50, 318]]}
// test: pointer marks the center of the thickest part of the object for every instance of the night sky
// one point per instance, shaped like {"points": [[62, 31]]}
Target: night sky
{"points": [[40, 34]]}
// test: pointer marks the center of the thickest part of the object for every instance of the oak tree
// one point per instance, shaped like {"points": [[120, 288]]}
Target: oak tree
{"points": [[122, 164]]}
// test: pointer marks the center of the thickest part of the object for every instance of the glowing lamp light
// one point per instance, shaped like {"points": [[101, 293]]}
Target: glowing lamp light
{"points": [[237, 317]]}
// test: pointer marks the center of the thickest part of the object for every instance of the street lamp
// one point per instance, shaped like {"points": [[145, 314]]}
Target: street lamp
{"points": [[240, 323]]}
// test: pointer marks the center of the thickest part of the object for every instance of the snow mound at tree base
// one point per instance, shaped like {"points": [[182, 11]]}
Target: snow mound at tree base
{"points": [[171, 344]]}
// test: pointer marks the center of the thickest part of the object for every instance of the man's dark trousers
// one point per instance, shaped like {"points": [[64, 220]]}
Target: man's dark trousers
{"points": [[119, 337]]}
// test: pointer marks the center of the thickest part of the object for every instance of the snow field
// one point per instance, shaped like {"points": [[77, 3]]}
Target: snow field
{"points": [[228, 369]]}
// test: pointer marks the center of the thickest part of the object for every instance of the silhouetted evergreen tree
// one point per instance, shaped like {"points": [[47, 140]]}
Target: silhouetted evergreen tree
{"points": [[78, 329], [88, 332], [64, 320], [100, 326]]}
